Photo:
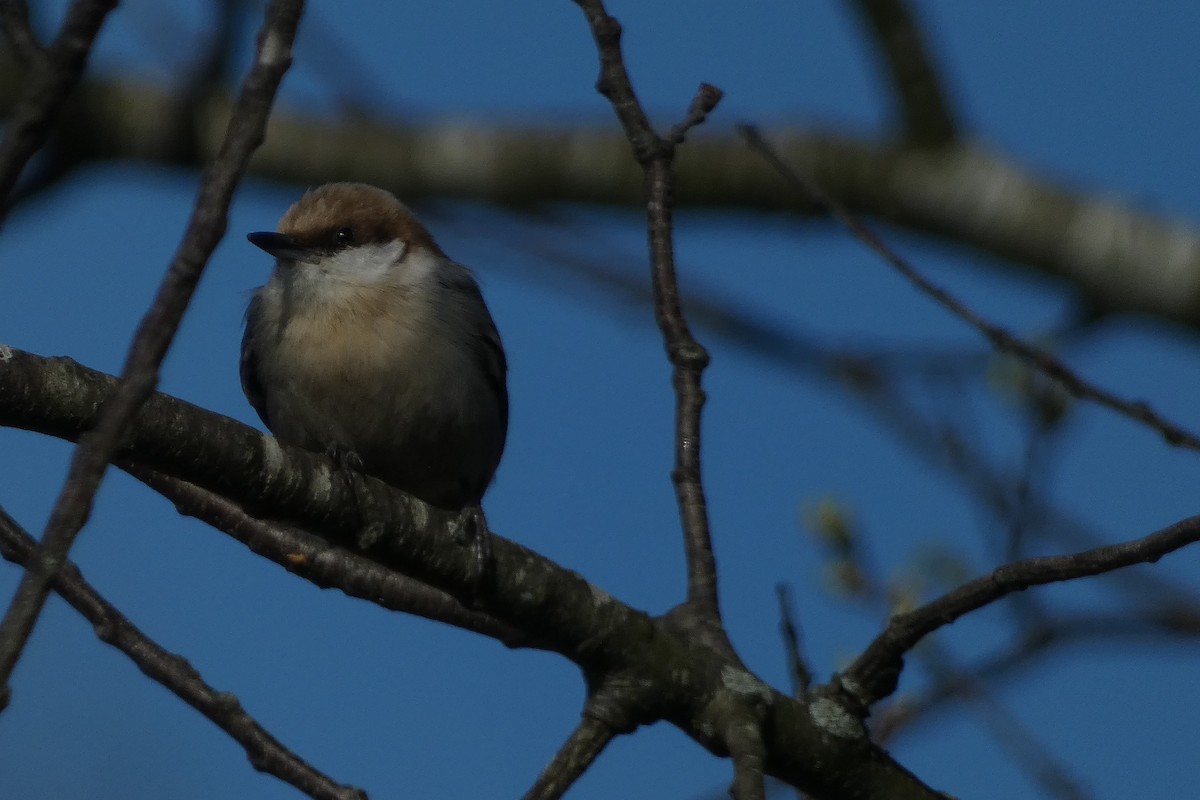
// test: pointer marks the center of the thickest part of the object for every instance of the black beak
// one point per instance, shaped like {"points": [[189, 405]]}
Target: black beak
{"points": [[284, 248]]}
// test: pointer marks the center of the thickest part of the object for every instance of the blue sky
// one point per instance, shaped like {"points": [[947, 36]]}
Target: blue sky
{"points": [[1101, 96]]}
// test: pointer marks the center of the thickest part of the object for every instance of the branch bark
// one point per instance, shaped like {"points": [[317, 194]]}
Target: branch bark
{"points": [[817, 745]]}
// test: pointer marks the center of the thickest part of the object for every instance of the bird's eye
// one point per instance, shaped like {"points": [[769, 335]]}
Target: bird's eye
{"points": [[344, 236]]}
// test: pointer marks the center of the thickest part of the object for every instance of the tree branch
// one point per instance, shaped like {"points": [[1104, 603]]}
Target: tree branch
{"points": [[14, 24], [586, 742], [873, 674], [312, 558], [1120, 258], [688, 358], [157, 328], [265, 752], [818, 746], [1000, 338], [925, 112], [51, 77], [1041, 639], [801, 674]]}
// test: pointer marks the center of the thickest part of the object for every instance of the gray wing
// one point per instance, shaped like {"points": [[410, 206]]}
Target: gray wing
{"points": [[248, 367]]}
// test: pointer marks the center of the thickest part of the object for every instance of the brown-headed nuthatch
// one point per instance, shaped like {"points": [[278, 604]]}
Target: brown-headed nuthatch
{"points": [[368, 342]]}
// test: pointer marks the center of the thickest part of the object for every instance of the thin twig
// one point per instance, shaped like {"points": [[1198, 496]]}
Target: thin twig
{"points": [[871, 375], [1044, 638], [688, 358], [1011, 735], [706, 99], [265, 752], [583, 746], [801, 674], [1000, 338], [922, 99], [873, 674], [325, 565], [50, 81], [156, 330]]}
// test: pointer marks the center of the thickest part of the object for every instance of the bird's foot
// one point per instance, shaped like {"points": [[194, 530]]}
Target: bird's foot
{"points": [[350, 467]]}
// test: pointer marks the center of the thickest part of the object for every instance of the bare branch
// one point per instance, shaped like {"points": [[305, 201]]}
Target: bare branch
{"points": [[1045, 637], [156, 330], [706, 99], [1121, 258], [14, 24], [45, 89], [870, 375], [823, 749], [801, 674], [314, 559], [873, 674], [265, 752], [688, 358], [586, 742], [748, 753], [1010, 734], [999, 337], [926, 113]]}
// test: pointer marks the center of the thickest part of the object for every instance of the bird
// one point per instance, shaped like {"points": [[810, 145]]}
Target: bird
{"points": [[368, 343]]}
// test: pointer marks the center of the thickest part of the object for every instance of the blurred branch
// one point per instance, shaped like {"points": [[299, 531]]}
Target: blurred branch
{"points": [[801, 674], [927, 121], [44, 86], [245, 131], [873, 376], [1010, 734], [14, 25], [874, 673], [1121, 259], [1042, 638], [999, 338], [265, 752]]}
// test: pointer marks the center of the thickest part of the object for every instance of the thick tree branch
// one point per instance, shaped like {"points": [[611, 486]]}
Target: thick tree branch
{"points": [[265, 752], [245, 131], [1120, 258], [818, 745], [312, 558]]}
